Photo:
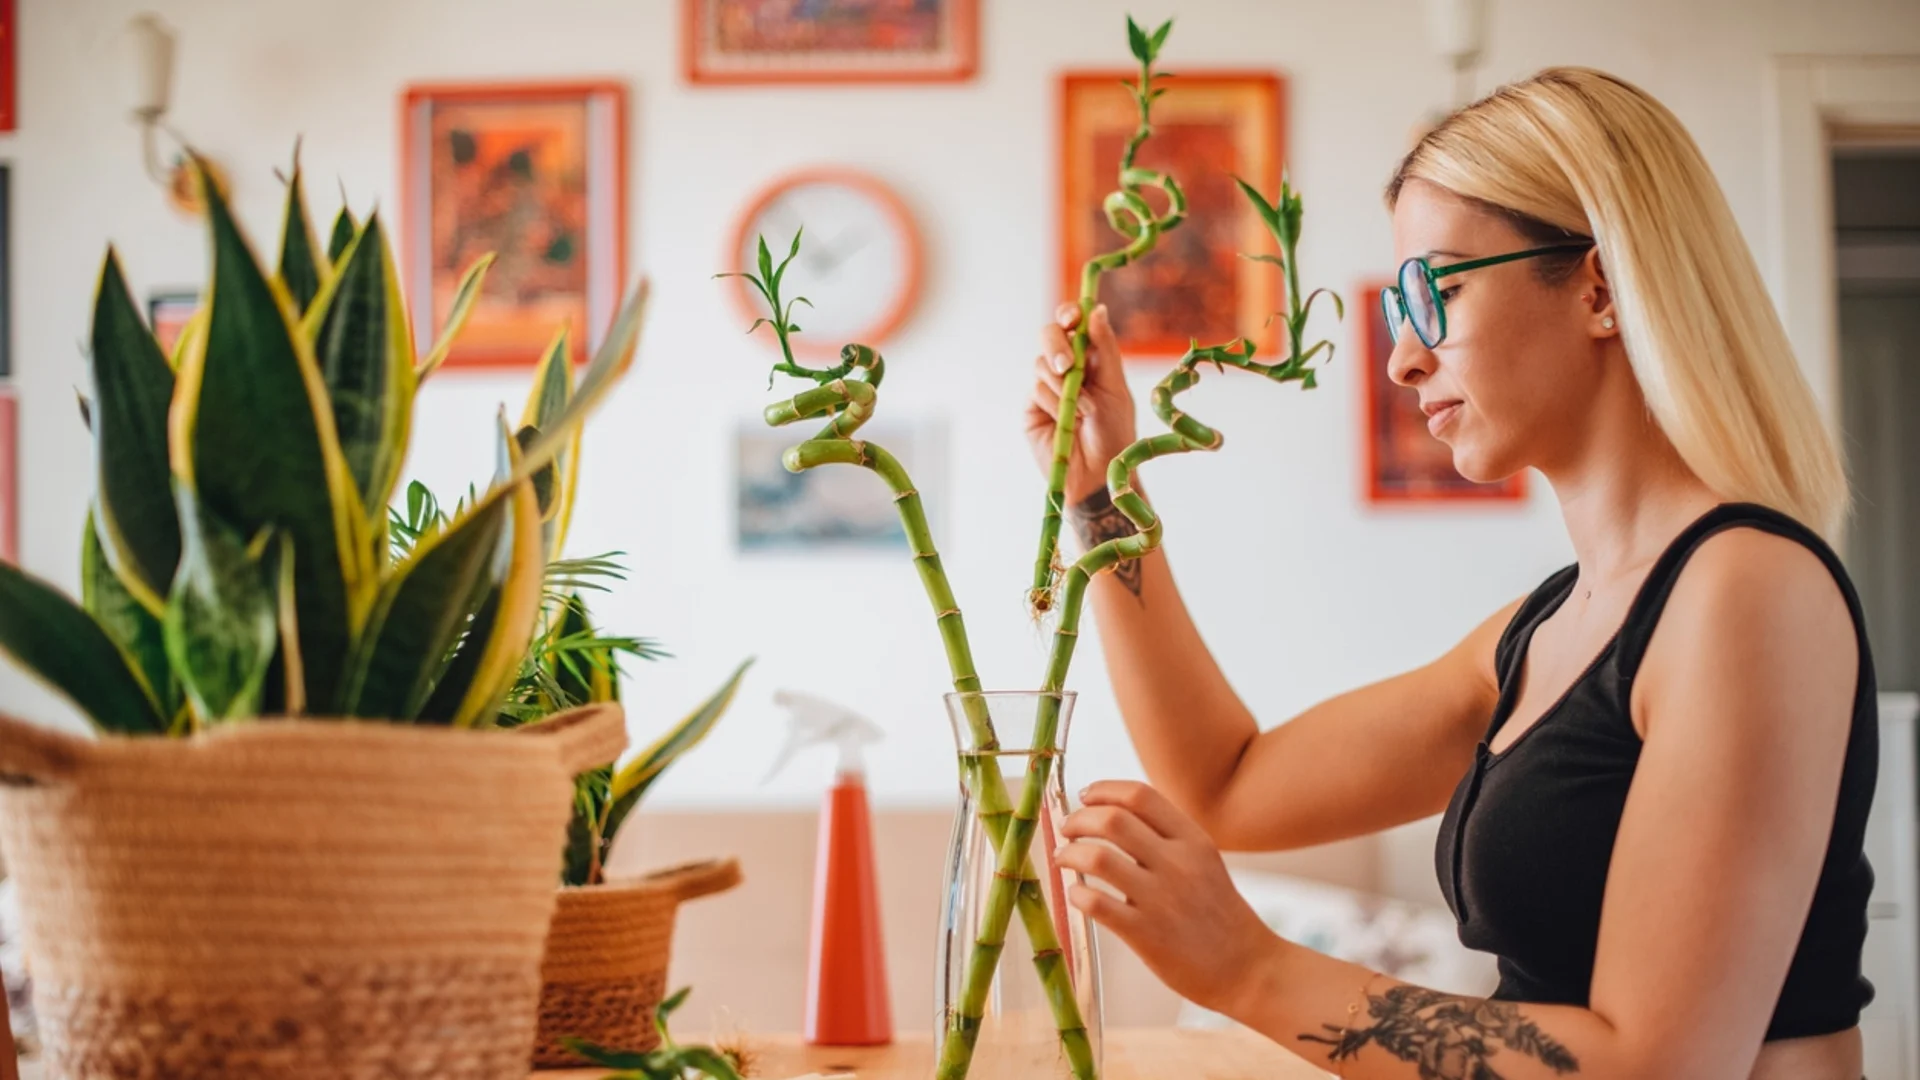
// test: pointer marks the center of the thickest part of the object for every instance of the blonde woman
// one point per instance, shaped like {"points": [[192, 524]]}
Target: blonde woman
{"points": [[1656, 768]]}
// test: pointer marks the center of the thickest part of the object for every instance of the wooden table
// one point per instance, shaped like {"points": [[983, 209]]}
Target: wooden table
{"points": [[1131, 1054]]}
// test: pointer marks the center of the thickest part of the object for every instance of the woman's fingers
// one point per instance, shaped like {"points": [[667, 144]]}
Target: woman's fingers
{"points": [[1146, 804], [1103, 358], [1119, 827], [1109, 911], [1045, 373], [1067, 315], [1107, 864]]}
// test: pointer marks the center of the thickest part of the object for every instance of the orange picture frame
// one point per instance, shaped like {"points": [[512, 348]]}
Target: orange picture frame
{"points": [[535, 173], [782, 47], [1403, 463], [748, 301], [1210, 127]]}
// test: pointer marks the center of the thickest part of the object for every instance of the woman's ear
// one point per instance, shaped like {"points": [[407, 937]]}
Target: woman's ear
{"points": [[1596, 298]]}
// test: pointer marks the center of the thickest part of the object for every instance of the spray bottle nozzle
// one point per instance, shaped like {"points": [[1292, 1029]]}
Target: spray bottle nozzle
{"points": [[813, 720]]}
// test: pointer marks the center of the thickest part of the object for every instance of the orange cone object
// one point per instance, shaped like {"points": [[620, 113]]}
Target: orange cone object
{"points": [[846, 962]]}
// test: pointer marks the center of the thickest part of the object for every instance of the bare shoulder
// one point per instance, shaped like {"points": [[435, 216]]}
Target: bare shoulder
{"points": [[1756, 625]]}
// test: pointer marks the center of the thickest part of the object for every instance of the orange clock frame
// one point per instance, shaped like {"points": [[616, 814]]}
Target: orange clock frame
{"points": [[752, 306]]}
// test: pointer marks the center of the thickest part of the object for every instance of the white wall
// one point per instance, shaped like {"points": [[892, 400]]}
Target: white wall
{"points": [[1302, 590]]}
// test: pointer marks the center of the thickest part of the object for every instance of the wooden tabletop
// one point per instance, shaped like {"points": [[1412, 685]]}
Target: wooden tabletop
{"points": [[1131, 1054]]}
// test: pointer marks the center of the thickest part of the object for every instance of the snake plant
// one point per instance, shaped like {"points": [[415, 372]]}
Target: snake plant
{"points": [[233, 564]]}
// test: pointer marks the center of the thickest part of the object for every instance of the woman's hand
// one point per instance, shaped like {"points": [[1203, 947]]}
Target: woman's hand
{"points": [[1106, 424], [1181, 913]]}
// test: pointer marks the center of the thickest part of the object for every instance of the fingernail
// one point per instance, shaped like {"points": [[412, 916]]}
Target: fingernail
{"points": [[1061, 362], [1061, 848], [1082, 796]]}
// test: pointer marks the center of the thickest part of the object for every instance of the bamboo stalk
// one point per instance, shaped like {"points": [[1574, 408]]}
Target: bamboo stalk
{"points": [[1130, 215], [1186, 435]]}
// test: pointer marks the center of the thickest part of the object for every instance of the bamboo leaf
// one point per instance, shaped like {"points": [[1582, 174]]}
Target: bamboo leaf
{"points": [[299, 264], [133, 389], [632, 780], [358, 327], [422, 609], [129, 624], [1160, 37], [52, 639], [252, 436], [1339, 305], [465, 295], [1268, 212], [1138, 43], [220, 625]]}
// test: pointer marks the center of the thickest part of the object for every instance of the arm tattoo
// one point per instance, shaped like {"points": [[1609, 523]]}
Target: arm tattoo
{"points": [[1447, 1037], [1097, 521]]}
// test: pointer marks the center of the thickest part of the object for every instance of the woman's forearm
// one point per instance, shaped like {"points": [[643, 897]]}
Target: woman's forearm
{"points": [[1187, 724]]}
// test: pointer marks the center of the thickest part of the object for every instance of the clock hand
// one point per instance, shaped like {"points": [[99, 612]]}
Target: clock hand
{"points": [[834, 256]]}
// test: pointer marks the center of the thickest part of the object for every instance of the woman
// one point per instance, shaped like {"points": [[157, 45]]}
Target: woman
{"points": [[1656, 768]]}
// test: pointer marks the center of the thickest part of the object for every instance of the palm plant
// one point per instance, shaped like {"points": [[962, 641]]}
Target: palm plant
{"points": [[232, 564]]}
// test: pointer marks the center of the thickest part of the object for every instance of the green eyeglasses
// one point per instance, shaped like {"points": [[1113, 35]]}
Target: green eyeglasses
{"points": [[1417, 298]]}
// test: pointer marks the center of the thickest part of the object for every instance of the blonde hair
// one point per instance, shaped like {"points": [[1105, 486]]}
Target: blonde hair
{"points": [[1581, 152]]}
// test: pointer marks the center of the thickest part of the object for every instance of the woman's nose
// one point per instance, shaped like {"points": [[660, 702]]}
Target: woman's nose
{"points": [[1411, 362]]}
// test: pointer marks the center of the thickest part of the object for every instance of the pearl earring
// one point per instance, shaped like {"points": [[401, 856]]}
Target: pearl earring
{"points": [[1607, 322]]}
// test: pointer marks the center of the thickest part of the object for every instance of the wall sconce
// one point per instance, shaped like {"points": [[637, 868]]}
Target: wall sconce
{"points": [[1458, 31], [149, 89]]}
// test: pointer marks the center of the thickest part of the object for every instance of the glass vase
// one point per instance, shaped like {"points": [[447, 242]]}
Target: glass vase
{"points": [[1030, 1007]]}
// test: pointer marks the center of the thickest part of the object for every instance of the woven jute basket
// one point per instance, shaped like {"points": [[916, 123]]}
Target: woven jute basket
{"points": [[293, 899], [606, 966]]}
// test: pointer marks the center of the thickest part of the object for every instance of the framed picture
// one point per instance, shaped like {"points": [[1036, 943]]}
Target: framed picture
{"points": [[6, 270], [780, 41], [1404, 462], [835, 508], [535, 174], [9, 475], [167, 313], [9, 65], [1208, 129]]}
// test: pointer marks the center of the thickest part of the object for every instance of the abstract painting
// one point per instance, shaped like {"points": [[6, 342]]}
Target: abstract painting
{"points": [[833, 508], [1207, 129], [1404, 462], [771, 41], [534, 174]]}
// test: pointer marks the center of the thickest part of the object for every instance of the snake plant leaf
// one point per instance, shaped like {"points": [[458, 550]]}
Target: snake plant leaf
{"points": [[465, 295], [423, 607], [358, 326], [632, 780], [133, 389], [457, 677], [518, 607], [552, 388], [220, 626], [345, 228], [252, 436], [51, 638], [131, 625], [299, 264], [609, 365]]}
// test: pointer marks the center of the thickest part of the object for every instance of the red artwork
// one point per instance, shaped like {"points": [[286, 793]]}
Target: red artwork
{"points": [[9, 65], [1404, 462], [534, 175], [1208, 129], [769, 41]]}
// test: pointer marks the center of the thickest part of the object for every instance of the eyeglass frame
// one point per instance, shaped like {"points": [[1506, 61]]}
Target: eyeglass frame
{"points": [[1393, 303]]}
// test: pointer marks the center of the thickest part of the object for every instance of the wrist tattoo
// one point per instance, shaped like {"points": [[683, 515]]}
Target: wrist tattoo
{"points": [[1097, 521], [1445, 1035]]}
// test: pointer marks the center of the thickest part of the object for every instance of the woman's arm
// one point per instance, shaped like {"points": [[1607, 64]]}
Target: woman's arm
{"points": [[1384, 754], [1746, 696]]}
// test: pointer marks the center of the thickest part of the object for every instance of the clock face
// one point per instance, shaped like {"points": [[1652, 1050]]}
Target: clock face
{"points": [[858, 263]]}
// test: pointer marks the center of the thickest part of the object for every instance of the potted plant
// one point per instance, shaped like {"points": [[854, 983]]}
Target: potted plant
{"points": [[362, 886], [1045, 990]]}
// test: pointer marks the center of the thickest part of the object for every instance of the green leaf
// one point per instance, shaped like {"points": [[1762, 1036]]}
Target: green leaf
{"points": [[766, 262], [600, 1055], [423, 607], [666, 1008], [344, 230], [465, 296], [359, 331], [1160, 37], [299, 269], [609, 365], [1268, 213], [632, 780], [220, 626], [457, 678], [51, 638], [133, 390], [780, 272], [543, 478], [552, 384], [253, 438], [1339, 305], [1138, 43], [706, 1061], [1274, 259], [130, 624]]}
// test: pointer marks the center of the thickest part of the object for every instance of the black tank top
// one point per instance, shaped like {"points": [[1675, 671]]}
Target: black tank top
{"points": [[1526, 840]]}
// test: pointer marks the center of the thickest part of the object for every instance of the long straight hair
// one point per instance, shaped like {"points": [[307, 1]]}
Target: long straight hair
{"points": [[1580, 152]]}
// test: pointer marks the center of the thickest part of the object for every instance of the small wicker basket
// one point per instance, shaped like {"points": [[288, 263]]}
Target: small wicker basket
{"points": [[296, 899], [606, 965]]}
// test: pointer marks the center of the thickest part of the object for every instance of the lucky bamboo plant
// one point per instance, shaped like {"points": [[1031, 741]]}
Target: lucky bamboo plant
{"points": [[233, 565]]}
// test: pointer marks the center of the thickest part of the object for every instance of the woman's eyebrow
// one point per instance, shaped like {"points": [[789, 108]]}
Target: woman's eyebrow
{"points": [[1447, 254]]}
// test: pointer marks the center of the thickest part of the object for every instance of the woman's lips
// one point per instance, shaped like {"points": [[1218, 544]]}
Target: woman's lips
{"points": [[1440, 414]]}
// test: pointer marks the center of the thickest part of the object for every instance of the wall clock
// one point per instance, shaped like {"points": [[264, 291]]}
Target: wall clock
{"points": [[859, 262]]}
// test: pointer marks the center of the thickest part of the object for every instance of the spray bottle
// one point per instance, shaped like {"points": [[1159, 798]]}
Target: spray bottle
{"points": [[846, 965]]}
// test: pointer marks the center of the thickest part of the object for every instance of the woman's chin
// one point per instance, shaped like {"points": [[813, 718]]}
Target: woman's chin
{"points": [[1479, 467]]}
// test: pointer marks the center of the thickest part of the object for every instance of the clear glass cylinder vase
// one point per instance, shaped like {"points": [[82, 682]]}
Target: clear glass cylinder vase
{"points": [[1017, 992]]}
